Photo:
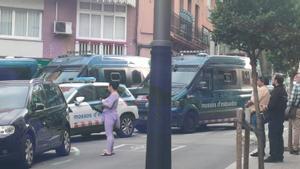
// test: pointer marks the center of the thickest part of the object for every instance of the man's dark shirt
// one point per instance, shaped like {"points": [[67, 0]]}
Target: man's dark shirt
{"points": [[277, 104]]}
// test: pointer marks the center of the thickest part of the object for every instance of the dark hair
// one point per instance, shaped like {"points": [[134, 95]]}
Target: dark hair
{"points": [[265, 80], [114, 84], [279, 78]]}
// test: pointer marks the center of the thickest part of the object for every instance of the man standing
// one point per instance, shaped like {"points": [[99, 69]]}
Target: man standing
{"points": [[294, 101], [276, 109], [263, 98]]}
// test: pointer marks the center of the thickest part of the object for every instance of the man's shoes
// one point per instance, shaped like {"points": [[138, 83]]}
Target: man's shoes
{"points": [[273, 160], [295, 152], [255, 154]]}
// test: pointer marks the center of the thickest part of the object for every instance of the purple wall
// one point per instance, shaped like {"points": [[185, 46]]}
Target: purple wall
{"points": [[55, 45]]}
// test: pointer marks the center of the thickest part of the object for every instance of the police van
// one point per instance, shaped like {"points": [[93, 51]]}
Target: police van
{"points": [[128, 70], [205, 89], [85, 107]]}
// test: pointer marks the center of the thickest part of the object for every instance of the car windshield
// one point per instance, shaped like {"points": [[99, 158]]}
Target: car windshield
{"points": [[13, 97], [182, 76], [67, 91]]}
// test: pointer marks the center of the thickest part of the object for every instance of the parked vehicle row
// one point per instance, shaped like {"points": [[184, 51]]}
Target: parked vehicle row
{"points": [[41, 115]]}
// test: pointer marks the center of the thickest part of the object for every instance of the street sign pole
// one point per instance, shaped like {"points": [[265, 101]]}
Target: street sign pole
{"points": [[158, 155]]}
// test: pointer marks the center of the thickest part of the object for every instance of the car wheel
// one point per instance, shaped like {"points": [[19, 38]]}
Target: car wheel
{"points": [[189, 123], [27, 152], [126, 126], [141, 128], [65, 147]]}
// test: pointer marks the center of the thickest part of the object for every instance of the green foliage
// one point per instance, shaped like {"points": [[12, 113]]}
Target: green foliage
{"points": [[254, 25]]}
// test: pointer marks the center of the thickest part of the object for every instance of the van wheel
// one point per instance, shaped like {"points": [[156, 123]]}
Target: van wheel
{"points": [[27, 152], [189, 123], [65, 147], [126, 126]]}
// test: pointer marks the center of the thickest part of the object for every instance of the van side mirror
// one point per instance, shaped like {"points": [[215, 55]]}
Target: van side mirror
{"points": [[202, 85], [39, 106], [79, 100]]}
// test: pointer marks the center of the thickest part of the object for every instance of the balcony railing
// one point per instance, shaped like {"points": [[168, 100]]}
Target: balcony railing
{"points": [[100, 48], [186, 29]]}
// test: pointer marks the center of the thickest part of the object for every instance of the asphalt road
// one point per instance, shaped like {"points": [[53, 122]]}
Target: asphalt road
{"points": [[211, 148]]}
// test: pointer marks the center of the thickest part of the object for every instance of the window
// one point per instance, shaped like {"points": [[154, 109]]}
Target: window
{"points": [[136, 77], [225, 79], [101, 21], [37, 96], [88, 92], [20, 23], [102, 92], [190, 5], [246, 78], [53, 94], [123, 92]]}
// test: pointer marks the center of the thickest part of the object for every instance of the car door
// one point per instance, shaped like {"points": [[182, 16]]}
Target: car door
{"points": [[204, 95], [83, 114], [56, 113], [226, 91], [38, 118]]}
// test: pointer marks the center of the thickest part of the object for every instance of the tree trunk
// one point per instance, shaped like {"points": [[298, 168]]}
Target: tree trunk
{"points": [[258, 117]]}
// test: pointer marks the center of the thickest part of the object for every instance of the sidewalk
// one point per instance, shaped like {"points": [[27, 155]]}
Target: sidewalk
{"points": [[289, 162]]}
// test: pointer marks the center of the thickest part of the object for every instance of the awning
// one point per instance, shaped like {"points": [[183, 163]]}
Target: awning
{"points": [[127, 2]]}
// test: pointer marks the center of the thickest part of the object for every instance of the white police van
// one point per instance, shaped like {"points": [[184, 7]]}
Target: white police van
{"points": [[85, 107]]}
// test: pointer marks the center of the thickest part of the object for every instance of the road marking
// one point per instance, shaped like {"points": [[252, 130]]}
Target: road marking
{"points": [[179, 147], [75, 150], [62, 162], [119, 146]]}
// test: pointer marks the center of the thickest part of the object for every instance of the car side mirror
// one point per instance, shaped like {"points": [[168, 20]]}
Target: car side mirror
{"points": [[39, 106], [79, 100], [202, 85]]}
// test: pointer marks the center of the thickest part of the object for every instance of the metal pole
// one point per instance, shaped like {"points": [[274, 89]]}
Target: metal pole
{"points": [[239, 142], [246, 148], [158, 155]]}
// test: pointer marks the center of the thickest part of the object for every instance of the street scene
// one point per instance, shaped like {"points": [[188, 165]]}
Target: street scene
{"points": [[154, 84]]}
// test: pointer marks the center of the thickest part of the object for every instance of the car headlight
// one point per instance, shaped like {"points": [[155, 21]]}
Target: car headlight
{"points": [[7, 130]]}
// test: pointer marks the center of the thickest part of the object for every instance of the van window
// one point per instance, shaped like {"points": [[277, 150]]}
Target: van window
{"points": [[17, 73], [246, 78], [53, 94], [136, 77], [115, 75], [225, 79]]}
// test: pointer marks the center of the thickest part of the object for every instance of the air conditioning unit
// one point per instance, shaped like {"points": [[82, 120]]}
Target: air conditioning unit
{"points": [[64, 28]]}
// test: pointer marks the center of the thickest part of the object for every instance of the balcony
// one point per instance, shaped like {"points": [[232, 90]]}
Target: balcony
{"points": [[186, 34], [100, 48]]}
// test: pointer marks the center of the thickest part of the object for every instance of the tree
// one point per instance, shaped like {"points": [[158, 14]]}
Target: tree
{"points": [[253, 26]]}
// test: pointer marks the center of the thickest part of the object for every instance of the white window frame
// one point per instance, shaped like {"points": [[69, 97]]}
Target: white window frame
{"points": [[13, 36], [102, 13]]}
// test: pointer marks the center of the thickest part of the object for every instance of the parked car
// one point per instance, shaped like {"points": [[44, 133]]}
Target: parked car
{"points": [[85, 108], [33, 119], [205, 89]]}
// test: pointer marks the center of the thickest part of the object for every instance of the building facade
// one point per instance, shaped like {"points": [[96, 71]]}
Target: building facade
{"points": [[190, 25], [48, 28]]}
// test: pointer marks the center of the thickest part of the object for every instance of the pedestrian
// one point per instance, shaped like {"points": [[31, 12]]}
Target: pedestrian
{"points": [[263, 99], [110, 116], [294, 101], [276, 109]]}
